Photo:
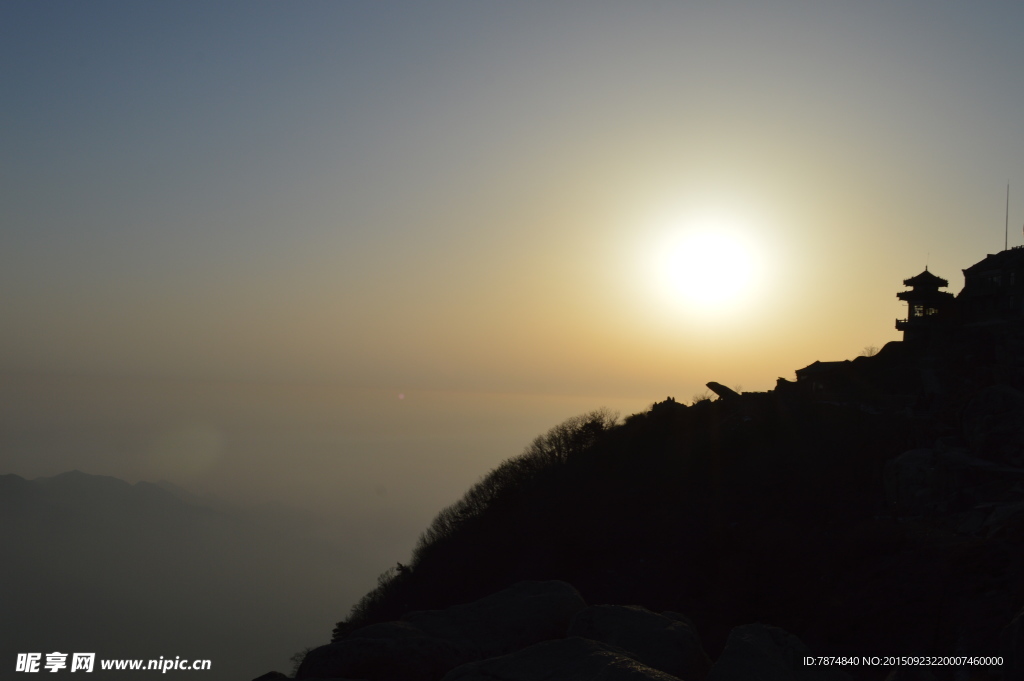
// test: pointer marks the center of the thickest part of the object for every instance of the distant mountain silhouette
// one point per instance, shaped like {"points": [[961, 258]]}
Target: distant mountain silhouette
{"points": [[94, 564], [872, 507]]}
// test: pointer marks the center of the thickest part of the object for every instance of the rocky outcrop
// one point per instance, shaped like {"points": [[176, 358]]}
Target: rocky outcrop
{"points": [[993, 425], [516, 617], [424, 645], [569, 659], [952, 485], [543, 631], [723, 391], [667, 642], [916, 482]]}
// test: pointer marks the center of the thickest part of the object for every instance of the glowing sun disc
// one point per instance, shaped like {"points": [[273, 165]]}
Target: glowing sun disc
{"points": [[709, 268]]}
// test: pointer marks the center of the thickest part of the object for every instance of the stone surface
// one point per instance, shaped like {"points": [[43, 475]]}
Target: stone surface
{"points": [[723, 391], [993, 424], [667, 642], [513, 618], [569, 659], [1005, 520], [425, 644], [915, 482]]}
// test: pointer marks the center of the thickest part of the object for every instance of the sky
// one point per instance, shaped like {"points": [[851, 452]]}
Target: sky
{"points": [[351, 255]]}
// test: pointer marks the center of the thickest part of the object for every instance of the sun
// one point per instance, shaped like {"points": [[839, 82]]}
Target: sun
{"points": [[711, 266]]}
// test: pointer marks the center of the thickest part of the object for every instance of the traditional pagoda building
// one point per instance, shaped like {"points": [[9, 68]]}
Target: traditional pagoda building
{"points": [[927, 306]]}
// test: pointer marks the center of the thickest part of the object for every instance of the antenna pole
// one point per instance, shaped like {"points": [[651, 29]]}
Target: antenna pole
{"points": [[1006, 226]]}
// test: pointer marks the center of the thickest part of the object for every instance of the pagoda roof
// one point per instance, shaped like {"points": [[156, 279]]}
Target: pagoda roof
{"points": [[925, 295], [926, 280], [1011, 258]]}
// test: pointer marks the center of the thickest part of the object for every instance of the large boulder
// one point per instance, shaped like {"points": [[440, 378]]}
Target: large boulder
{"points": [[993, 425], [569, 659], [521, 615], [917, 483], [667, 642], [1005, 521], [425, 644], [758, 652], [723, 391]]}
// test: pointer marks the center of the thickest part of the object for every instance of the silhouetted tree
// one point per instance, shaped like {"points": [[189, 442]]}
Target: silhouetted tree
{"points": [[563, 443], [703, 396], [570, 438]]}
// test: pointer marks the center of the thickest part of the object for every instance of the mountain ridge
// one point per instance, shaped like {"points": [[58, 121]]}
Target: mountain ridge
{"points": [[872, 507]]}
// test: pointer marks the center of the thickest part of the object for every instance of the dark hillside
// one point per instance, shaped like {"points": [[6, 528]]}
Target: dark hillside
{"points": [[730, 513], [872, 507]]}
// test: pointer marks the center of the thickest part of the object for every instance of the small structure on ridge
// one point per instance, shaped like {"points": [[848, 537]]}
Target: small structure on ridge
{"points": [[927, 306]]}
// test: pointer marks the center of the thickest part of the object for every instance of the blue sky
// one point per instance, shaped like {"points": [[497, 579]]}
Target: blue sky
{"points": [[177, 175]]}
